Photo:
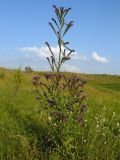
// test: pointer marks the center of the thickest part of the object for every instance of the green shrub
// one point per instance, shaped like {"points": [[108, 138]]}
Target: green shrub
{"points": [[28, 69]]}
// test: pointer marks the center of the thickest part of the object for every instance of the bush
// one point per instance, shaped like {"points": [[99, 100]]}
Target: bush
{"points": [[28, 69]]}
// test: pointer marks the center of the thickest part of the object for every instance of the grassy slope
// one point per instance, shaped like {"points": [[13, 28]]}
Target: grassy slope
{"points": [[21, 126]]}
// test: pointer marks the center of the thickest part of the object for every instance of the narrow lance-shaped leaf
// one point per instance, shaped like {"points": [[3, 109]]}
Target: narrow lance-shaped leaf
{"points": [[66, 12], [62, 22], [70, 53], [53, 28], [49, 48], [62, 10], [52, 58], [60, 15], [53, 62], [57, 13], [69, 25], [55, 23], [50, 63], [67, 47]]}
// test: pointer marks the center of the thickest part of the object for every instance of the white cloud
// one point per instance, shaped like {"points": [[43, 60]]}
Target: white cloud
{"points": [[77, 56], [44, 52], [98, 58], [70, 68]]}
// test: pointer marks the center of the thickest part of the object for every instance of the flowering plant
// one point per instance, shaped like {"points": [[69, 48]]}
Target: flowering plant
{"points": [[61, 97]]}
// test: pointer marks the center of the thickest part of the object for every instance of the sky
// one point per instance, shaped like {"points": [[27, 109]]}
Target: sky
{"points": [[95, 35]]}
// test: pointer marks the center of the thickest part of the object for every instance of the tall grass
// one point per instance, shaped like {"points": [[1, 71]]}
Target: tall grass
{"points": [[22, 127]]}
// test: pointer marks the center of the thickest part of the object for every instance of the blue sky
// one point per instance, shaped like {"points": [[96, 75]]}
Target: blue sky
{"points": [[95, 35]]}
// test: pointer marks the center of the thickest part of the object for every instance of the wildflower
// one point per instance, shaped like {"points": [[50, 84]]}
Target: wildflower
{"points": [[85, 140], [48, 76], [60, 76], [76, 79], [36, 77], [70, 79], [65, 97]]}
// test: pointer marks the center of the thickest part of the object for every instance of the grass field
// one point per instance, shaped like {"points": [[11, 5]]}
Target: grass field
{"points": [[22, 127]]}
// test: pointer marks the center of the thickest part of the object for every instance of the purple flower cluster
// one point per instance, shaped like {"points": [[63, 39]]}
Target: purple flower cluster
{"points": [[57, 85], [35, 80]]}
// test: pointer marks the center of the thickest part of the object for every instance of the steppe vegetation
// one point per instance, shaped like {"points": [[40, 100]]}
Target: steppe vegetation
{"points": [[23, 127], [56, 115]]}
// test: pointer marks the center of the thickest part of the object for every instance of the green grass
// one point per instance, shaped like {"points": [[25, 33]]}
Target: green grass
{"points": [[22, 127], [113, 86]]}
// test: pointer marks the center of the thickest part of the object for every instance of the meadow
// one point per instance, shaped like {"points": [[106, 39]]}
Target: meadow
{"points": [[23, 127]]}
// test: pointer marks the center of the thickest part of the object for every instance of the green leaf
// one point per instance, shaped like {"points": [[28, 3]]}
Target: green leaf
{"points": [[53, 28], [50, 63], [66, 12], [49, 48], [69, 25], [55, 22]]}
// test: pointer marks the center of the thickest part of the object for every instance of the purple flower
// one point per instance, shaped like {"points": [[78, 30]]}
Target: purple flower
{"points": [[48, 76], [70, 79], [36, 77], [58, 76], [35, 80]]}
